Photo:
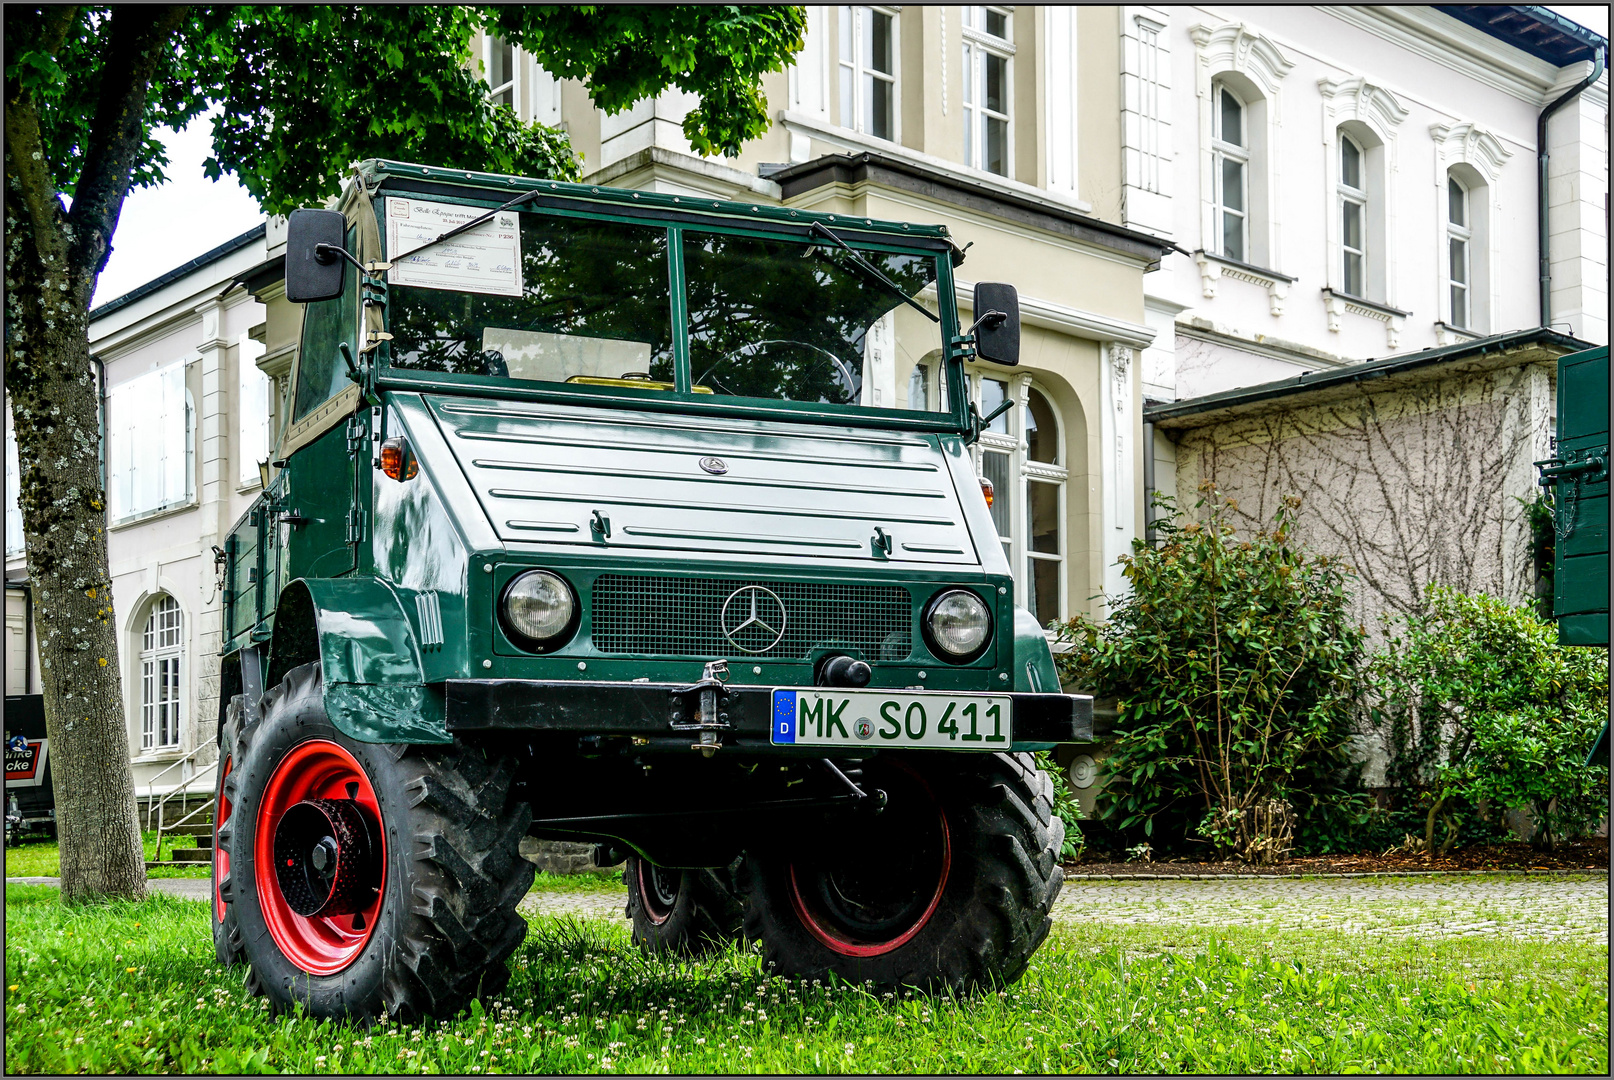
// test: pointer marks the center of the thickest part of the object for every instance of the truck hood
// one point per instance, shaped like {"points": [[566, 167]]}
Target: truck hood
{"points": [[657, 482]]}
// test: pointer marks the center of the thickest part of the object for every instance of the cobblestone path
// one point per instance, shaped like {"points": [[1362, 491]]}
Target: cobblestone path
{"points": [[1540, 908]]}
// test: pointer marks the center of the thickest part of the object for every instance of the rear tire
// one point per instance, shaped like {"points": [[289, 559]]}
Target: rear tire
{"points": [[681, 912], [427, 920], [949, 888]]}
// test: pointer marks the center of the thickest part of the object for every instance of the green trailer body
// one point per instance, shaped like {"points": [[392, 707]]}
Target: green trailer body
{"points": [[1578, 479], [784, 630]]}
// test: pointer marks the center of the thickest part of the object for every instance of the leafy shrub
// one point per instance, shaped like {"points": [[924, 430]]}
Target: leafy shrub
{"points": [[1477, 701], [1234, 664], [1066, 808]]}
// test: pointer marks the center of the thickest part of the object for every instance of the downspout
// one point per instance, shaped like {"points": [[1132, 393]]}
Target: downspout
{"points": [[1148, 483], [1543, 240]]}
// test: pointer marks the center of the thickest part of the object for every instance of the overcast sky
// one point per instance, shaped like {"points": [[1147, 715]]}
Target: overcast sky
{"points": [[162, 227]]}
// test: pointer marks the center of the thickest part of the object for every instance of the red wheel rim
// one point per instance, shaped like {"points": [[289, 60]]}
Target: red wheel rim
{"points": [[836, 940], [316, 769], [221, 858], [656, 906]]}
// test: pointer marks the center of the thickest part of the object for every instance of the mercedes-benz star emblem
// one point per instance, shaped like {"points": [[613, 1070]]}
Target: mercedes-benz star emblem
{"points": [[753, 619], [714, 465]]}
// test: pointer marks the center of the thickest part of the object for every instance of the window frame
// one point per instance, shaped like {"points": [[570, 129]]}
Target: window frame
{"points": [[120, 513], [851, 39], [165, 660], [512, 84], [1013, 444], [1360, 197], [1223, 151], [1460, 234], [976, 44], [953, 421]]}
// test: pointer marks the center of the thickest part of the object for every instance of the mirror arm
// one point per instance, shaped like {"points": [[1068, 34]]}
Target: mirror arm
{"points": [[325, 254], [992, 319]]}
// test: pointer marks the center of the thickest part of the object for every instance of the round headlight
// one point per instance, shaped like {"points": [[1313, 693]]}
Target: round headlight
{"points": [[959, 624], [538, 607]]}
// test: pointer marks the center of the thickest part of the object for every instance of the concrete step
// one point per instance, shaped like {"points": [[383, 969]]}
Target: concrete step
{"points": [[191, 828], [192, 854]]}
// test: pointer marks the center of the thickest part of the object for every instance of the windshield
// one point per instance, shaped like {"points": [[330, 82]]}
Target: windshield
{"points": [[555, 299]]}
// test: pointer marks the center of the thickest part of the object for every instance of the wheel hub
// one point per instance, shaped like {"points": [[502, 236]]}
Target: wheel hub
{"points": [[325, 862]]}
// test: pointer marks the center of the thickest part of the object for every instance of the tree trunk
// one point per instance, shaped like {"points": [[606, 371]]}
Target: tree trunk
{"points": [[52, 260]]}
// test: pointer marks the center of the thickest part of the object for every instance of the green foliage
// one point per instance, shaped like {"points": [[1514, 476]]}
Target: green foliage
{"points": [[305, 90], [1098, 997], [1066, 808], [1233, 663], [627, 52], [1477, 701]]}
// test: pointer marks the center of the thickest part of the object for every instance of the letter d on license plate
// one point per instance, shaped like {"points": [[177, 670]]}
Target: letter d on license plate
{"points": [[876, 718]]}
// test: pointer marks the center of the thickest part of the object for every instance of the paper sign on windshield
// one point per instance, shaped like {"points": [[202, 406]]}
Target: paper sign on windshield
{"points": [[486, 259]]}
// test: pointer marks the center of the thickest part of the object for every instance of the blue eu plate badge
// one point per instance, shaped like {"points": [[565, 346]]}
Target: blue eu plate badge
{"points": [[784, 716]]}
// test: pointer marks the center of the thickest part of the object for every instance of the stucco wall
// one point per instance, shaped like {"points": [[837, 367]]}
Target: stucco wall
{"points": [[1411, 486]]}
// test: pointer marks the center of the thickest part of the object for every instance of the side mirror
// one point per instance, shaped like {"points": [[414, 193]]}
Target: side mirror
{"points": [[313, 275], [997, 323]]}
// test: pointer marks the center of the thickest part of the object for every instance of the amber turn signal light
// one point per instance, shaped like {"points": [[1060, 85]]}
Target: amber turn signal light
{"points": [[397, 460], [986, 490]]}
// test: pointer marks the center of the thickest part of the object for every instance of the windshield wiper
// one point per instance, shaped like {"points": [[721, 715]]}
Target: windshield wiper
{"points": [[869, 268], [473, 223]]}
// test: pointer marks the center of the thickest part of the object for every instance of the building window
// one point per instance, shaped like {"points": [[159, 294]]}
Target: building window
{"points": [[1352, 216], [868, 66], [1459, 242], [988, 53], [256, 417], [1044, 475], [1230, 151], [500, 60], [151, 444], [1024, 461], [160, 653]]}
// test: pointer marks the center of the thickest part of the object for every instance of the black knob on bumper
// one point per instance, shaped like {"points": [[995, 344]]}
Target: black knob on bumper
{"points": [[844, 671]]}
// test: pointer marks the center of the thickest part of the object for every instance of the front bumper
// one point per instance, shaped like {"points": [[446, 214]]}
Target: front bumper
{"points": [[648, 712]]}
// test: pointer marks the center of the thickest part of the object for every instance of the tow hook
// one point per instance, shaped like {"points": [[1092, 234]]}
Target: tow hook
{"points": [[871, 802], [709, 722]]}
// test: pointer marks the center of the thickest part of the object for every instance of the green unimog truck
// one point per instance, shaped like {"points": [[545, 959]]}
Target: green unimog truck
{"points": [[640, 519]]}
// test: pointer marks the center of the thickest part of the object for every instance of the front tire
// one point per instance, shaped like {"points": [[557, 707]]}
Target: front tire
{"points": [[367, 878], [680, 912], [949, 888]]}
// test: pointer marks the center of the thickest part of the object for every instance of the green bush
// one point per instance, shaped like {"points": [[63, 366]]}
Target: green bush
{"points": [[1234, 664], [1066, 808], [1477, 701]]}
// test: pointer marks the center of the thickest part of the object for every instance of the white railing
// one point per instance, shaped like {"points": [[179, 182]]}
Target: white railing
{"points": [[158, 805]]}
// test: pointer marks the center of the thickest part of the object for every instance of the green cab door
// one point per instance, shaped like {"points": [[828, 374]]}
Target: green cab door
{"points": [[1578, 479]]}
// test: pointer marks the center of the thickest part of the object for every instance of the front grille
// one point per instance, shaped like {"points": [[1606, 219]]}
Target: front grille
{"points": [[675, 616]]}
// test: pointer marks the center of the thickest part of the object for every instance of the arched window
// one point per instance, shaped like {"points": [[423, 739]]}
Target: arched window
{"points": [[1022, 453], [1230, 145], [1353, 196], [161, 650], [1044, 475], [1459, 245]]}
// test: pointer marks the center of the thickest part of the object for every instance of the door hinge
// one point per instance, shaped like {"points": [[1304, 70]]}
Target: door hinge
{"points": [[358, 432], [356, 521]]}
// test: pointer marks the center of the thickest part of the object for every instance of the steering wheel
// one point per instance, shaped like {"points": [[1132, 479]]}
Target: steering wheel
{"points": [[750, 349]]}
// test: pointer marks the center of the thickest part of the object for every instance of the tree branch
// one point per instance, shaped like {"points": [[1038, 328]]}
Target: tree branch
{"points": [[135, 38]]}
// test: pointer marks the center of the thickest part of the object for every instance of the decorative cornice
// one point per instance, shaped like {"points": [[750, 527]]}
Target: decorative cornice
{"points": [[1426, 32], [1466, 143], [1212, 268], [1358, 99], [1069, 320], [1237, 46]]}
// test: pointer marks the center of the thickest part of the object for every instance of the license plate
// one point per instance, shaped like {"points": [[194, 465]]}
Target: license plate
{"points": [[881, 718]]}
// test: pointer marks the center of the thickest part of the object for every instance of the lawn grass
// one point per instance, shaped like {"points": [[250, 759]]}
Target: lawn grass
{"points": [[604, 882], [134, 988], [42, 858]]}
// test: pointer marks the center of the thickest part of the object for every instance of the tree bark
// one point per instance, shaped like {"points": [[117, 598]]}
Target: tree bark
{"points": [[53, 258]]}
